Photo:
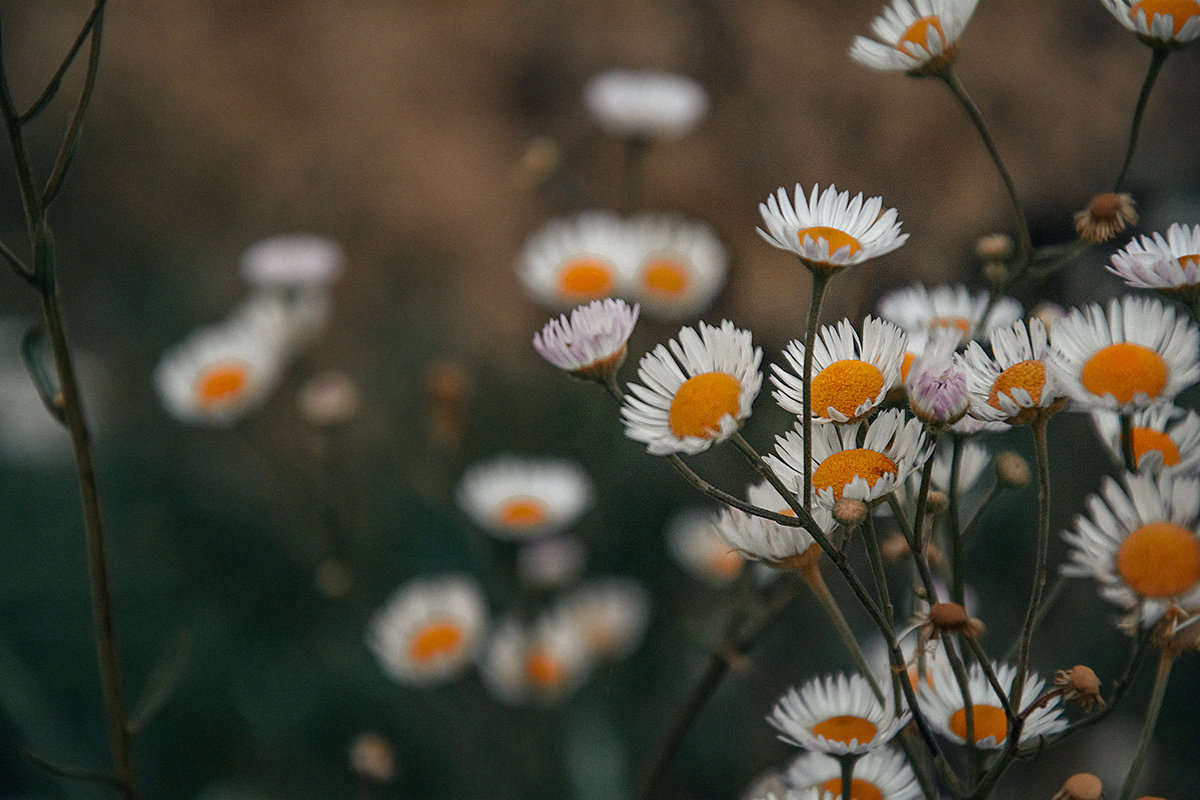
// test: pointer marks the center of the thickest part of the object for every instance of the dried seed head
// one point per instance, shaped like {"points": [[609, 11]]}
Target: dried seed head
{"points": [[994, 247], [1081, 786], [936, 502], [848, 512], [1079, 683], [894, 548], [1012, 470], [1105, 216], [952, 618], [1177, 631]]}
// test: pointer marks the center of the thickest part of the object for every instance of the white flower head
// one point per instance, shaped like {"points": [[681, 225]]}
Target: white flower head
{"points": [[942, 703], [542, 662], [920, 311], [883, 774], [1169, 264], [1014, 384], [918, 36], [830, 230], [293, 261], [681, 268], [592, 342], [697, 545], [612, 613], [761, 539], [519, 498], [937, 384], [1166, 438], [1158, 22], [658, 105], [838, 715], [578, 259]]}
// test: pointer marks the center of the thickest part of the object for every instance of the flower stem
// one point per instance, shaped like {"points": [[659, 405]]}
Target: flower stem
{"points": [[1127, 454], [812, 576], [953, 530], [1157, 56], [819, 281], [1165, 662], [1039, 573]]}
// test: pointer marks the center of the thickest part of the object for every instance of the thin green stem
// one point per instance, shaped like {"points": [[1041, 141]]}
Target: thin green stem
{"points": [[819, 281], [969, 528], [953, 533], [56, 81], [31, 199], [1157, 56], [1048, 600], [17, 264], [812, 576], [875, 557], [847, 761], [1165, 661], [1039, 572], [919, 560], [1127, 454], [986, 665], [964, 689]]}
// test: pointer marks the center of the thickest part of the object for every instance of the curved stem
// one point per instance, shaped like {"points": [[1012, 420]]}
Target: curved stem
{"points": [[1165, 662], [1039, 573], [812, 576], [1157, 57], [819, 281]]}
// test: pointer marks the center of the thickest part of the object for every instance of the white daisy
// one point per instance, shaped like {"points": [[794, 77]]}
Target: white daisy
{"points": [[1138, 353], [1170, 264], [1158, 22], [682, 267], [828, 230], [919, 311], [1014, 384], [1165, 438], [882, 774], [428, 631], [550, 562], [651, 104], [892, 449], [296, 317], [543, 661], [781, 546], [942, 704], [936, 385], [850, 376], [578, 259], [524, 498], [612, 613], [1141, 543], [592, 342], [696, 544], [837, 715], [299, 260], [698, 390], [918, 36]]}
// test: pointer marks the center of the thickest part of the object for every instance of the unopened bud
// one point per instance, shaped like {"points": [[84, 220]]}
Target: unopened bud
{"points": [[539, 163], [894, 548], [371, 757], [936, 502], [1012, 470], [848, 512], [1081, 786], [994, 247], [995, 273], [447, 387]]}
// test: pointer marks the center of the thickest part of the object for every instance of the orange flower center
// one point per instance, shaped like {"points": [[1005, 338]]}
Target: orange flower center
{"points": [[666, 277], [1125, 370], [961, 323], [1160, 559], [544, 670], [1147, 439], [1027, 375], [1189, 261], [523, 512], [844, 386], [833, 237], [701, 402], [1180, 11], [845, 729], [586, 278], [221, 384], [906, 364], [438, 639], [989, 721], [845, 465], [918, 35], [859, 789]]}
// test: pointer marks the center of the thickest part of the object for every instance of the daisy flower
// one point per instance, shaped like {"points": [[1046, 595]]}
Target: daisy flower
{"points": [[882, 774], [524, 498], [918, 311], [1140, 543], [1013, 385], [590, 344], [1158, 22], [612, 614], [936, 385], [942, 703], [893, 448], [429, 629], [1165, 438], [781, 546], [699, 548], [836, 715], [828, 230], [543, 661], [698, 390], [550, 562], [918, 36], [682, 267], [657, 105], [293, 261], [577, 259], [851, 376], [1170, 264], [1138, 353]]}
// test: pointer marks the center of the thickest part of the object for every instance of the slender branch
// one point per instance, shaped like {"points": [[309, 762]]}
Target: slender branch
{"points": [[1039, 573], [812, 576], [953, 531], [70, 773], [876, 558], [1157, 56], [56, 81], [1165, 661], [819, 281], [1127, 454], [30, 198], [17, 264]]}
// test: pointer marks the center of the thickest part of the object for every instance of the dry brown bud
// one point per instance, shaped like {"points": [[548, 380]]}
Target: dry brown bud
{"points": [[1081, 786], [447, 388], [994, 247], [848, 512], [1079, 683], [1012, 470], [953, 618], [936, 502], [894, 548], [1106, 215], [371, 757]]}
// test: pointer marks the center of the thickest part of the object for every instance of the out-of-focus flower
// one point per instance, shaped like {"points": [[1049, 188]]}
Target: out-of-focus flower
{"points": [[919, 311], [1106, 215], [837, 715], [329, 399], [697, 545], [448, 388], [1013, 384], [883, 774], [1080, 786], [1158, 22], [656, 105], [612, 613], [828, 230], [1165, 438], [297, 319], [937, 384], [577, 259], [293, 261], [682, 265], [544, 661], [551, 562], [1170, 264], [917, 36], [590, 344], [429, 629], [942, 703], [697, 390], [372, 757], [520, 498]]}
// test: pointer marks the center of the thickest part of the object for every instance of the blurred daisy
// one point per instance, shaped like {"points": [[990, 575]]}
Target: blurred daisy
{"points": [[882, 774], [1138, 353], [524, 498], [837, 715], [219, 374], [918, 311], [293, 261], [698, 390], [851, 376], [550, 562], [892, 448], [612, 614], [973, 462], [592, 342], [682, 268], [1140, 543], [297, 318], [544, 661], [828, 230], [656, 105], [429, 629], [577, 259], [942, 703], [696, 544], [1158, 22], [781, 546], [1169, 264], [1165, 438], [919, 36], [1013, 385]]}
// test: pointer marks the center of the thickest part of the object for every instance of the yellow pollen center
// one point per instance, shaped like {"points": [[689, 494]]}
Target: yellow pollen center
{"points": [[701, 402], [1147, 439], [1160, 559], [221, 384], [989, 721], [1189, 261], [725, 563], [1125, 370], [859, 789], [1027, 375], [544, 670], [1180, 11], [906, 364], [523, 512], [918, 34], [843, 466], [961, 323], [435, 640], [844, 386], [845, 729], [586, 278], [665, 277], [833, 237]]}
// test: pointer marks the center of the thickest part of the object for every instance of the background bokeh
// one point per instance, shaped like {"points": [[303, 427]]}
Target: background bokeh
{"points": [[396, 129]]}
